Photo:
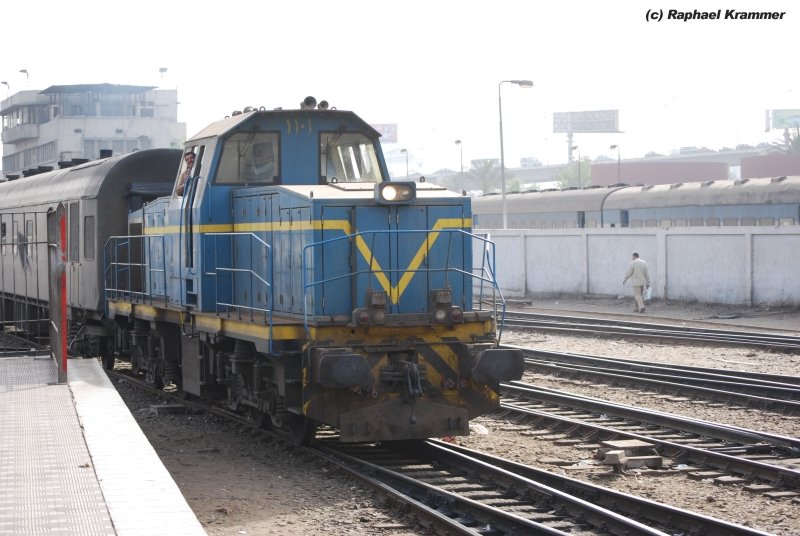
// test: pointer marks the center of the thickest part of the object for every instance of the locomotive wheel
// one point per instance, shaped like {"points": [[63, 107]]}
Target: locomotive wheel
{"points": [[154, 378], [108, 361], [136, 360], [260, 419], [302, 429]]}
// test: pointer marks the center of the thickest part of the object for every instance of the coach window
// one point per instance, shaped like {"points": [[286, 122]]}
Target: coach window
{"points": [[29, 234], [581, 219], [88, 238], [3, 236], [14, 237], [74, 232], [624, 218], [250, 158]]}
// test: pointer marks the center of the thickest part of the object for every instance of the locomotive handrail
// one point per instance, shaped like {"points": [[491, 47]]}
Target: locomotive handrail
{"points": [[480, 275], [265, 280], [122, 246]]}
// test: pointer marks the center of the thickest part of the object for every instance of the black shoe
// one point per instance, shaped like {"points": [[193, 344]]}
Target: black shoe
{"points": [[641, 311]]}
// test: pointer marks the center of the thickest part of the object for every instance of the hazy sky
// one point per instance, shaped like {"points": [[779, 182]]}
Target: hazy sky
{"points": [[433, 67]]}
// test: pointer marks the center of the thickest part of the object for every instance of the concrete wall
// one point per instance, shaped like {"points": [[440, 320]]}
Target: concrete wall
{"points": [[738, 266]]}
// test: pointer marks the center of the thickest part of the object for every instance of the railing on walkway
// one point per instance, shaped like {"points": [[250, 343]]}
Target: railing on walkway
{"points": [[242, 267], [481, 278], [129, 270], [253, 280]]}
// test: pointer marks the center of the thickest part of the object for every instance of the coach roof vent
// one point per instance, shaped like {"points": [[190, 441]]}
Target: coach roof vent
{"points": [[45, 169], [79, 161], [62, 164], [773, 180], [738, 182], [676, 185], [12, 177], [648, 187], [706, 183]]}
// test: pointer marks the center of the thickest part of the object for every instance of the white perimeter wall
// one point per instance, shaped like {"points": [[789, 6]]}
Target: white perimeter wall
{"points": [[742, 265]]}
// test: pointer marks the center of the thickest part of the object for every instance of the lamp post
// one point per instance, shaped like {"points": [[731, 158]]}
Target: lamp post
{"points": [[576, 148], [619, 167], [406, 153], [522, 84], [461, 148]]}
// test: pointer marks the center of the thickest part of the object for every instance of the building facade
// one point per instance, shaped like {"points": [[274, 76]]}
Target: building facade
{"points": [[62, 124]]}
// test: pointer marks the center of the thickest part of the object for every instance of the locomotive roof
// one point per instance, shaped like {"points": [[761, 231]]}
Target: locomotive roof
{"points": [[86, 180], [724, 192], [223, 126], [362, 190]]}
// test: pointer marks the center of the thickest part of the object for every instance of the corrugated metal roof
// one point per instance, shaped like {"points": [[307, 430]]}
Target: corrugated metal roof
{"points": [[557, 201], [724, 192]]}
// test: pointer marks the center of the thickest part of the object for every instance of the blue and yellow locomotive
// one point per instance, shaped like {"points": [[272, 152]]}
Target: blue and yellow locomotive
{"points": [[294, 279]]}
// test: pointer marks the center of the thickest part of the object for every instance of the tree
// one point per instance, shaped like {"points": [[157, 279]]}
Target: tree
{"points": [[791, 141], [484, 175], [567, 176]]}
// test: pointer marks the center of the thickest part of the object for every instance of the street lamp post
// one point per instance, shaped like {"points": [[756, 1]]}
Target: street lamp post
{"points": [[576, 148], [522, 84], [461, 148], [406, 153], [619, 166]]}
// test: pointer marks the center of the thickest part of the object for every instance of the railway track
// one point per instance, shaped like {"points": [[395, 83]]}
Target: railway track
{"points": [[749, 389], [658, 440], [649, 330], [454, 491], [490, 495]]}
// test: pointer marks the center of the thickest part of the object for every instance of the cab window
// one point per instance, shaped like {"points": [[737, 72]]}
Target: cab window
{"points": [[250, 158], [348, 157]]}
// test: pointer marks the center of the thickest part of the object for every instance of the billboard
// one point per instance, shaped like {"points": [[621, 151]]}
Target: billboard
{"points": [[785, 118], [588, 122], [388, 132]]}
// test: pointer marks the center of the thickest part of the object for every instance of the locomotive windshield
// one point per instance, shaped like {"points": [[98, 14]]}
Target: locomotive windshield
{"points": [[249, 158], [348, 157]]}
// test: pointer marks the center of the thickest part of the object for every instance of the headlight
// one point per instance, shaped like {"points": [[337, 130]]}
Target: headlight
{"points": [[390, 193]]}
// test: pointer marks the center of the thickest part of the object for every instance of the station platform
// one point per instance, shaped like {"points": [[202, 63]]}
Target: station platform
{"points": [[73, 461]]}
